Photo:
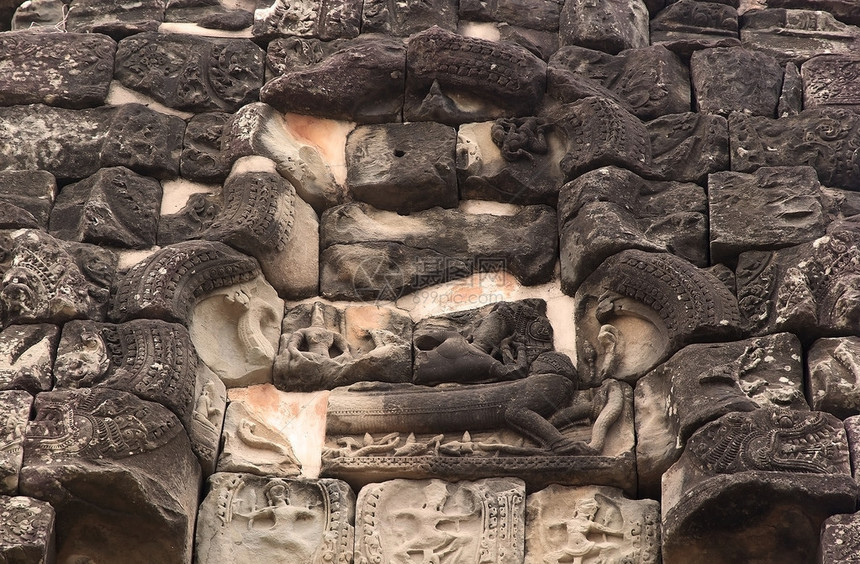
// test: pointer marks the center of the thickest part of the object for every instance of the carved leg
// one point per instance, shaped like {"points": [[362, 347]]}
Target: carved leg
{"points": [[609, 414]]}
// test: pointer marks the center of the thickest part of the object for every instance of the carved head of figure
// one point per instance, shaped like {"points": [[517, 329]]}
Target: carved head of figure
{"points": [[86, 364]]}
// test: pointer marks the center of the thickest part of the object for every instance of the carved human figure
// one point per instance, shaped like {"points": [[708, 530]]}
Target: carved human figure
{"points": [[576, 529]]}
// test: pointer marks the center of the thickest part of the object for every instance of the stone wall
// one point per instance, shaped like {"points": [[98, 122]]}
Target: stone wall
{"points": [[502, 281]]}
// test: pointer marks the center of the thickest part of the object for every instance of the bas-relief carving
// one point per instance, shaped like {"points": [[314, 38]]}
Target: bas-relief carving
{"points": [[454, 79], [609, 26], [202, 159], [638, 308], [610, 209], [687, 147], [840, 539], [399, 521], [831, 80], [591, 524], [14, 413], [324, 346], [734, 79], [810, 289], [687, 26], [325, 19], [27, 534], [703, 382], [60, 69], [409, 17], [511, 160], [834, 375], [27, 356], [140, 457], [50, 281], [247, 518], [269, 432], [756, 486]]}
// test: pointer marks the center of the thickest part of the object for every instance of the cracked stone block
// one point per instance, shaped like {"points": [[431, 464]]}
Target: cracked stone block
{"points": [[27, 357], [611, 26], [540, 15], [116, 18], [689, 25], [403, 167]]}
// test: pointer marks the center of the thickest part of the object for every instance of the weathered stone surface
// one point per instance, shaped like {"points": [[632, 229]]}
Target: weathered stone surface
{"points": [[115, 18], [469, 431], [187, 210], [325, 19], [766, 210], [27, 534], [540, 15], [202, 159], [257, 129], [796, 35], [735, 79], [118, 470], [511, 160], [143, 140], [191, 73], [401, 518], [791, 98], [649, 82], [823, 138], [810, 289], [31, 72], [610, 26], [840, 542], [454, 79], [246, 518], [703, 382], [689, 25], [601, 133], [541, 43], [372, 254], [26, 357], [403, 167], [274, 433], [361, 82], [490, 344], [844, 10], [406, 18], [114, 207], [209, 17], [638, 308], [287, 54], [687, 147], [608, 210], [50, 281], [171, 281], [831, 80], [834, 369], [590, 522], [756, 486], [43, 15], [32, 191], [14, 413], [324, 346], [235, 329], [264, 217]]}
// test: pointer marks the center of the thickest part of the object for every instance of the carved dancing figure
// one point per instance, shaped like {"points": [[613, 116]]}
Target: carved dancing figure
{"points": [[577, 544]]}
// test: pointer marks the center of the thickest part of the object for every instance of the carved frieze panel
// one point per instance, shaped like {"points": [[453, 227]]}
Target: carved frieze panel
{"points": [[15, 408], [735, 79], [610, 209], [590, 523], [610, 26], [689, 25], [511, 160], [27, 534], [114, 207], [831, 80], [826, 139], [481, 521], [810, 289], [27, 356], [768, 209], [638, 308], [402, 167], [141, 460], [404, 18], [756, 484], [323, 19], [649, 82], [71, 70], [360, 259], [323, 346], [191, 73], [361, 82], [701, 383], [796, 35], [454, 79], [246, 518]]}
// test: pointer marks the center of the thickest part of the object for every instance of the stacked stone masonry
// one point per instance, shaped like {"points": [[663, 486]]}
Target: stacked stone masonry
{"points": [[488, 281]]}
